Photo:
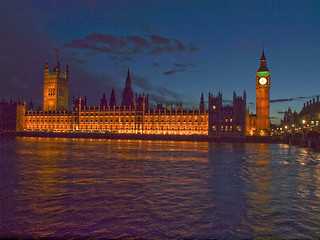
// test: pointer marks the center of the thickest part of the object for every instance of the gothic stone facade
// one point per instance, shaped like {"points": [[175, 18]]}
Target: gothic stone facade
{"points": [[134, 116]]}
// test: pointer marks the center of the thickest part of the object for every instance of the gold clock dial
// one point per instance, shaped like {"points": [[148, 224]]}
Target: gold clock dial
{"points": [[262, 81]]}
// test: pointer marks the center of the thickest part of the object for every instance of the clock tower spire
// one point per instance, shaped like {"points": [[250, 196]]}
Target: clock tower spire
{"points": [[263, 97]]}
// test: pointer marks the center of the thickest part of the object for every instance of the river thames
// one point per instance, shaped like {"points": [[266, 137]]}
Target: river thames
{"points": [[53, 187]]}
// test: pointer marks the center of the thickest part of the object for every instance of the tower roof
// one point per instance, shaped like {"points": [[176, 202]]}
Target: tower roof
{"points": [[57, 67], [263, 63], [262, 56]]}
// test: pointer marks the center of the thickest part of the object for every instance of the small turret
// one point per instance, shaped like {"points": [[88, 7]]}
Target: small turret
{"points": [[202, 105], [80, 103], [46, 69], [112, 101], [103, 102], [30, 106], [67, 71], [57, 68]]}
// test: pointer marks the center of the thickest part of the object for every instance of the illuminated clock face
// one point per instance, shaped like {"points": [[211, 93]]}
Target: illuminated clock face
{"points": [[262, 81]]}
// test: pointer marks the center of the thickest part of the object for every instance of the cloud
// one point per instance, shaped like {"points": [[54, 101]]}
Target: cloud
{"points": [[140, 26], [193, 47], [120, 58], [157, 94], [292, 99], [143, 83], [155, 98], [74, 60], [282, 100], [169, 93], [174, 71], [129, 45], [180, 46], [227, 101], [179, 65], [159, 40]]}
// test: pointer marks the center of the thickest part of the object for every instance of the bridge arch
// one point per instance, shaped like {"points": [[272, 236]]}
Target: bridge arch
{"points": [[288, 138], [299, 138], [298, 135], [313, 138]]}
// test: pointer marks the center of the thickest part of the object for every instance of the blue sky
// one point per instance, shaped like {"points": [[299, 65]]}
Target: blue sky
{"points": [[175, 49]]}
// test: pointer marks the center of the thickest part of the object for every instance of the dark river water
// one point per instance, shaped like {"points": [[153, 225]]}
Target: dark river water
{"points": [[157, 189]]}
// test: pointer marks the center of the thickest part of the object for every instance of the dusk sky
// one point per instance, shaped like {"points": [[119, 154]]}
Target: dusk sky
{"points": [[175, 50]]}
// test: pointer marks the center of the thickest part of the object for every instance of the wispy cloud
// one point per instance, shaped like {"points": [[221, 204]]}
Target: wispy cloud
{"points": [[292, 99], [158, 94], [120, 58], [173, 71], [135, 25], [178, 67], [141, 82], [227, 101], [129, 45], [74, 60]]}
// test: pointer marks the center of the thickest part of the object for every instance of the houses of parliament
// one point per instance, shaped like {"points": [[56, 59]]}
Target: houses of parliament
{"points": [[135, 116]]}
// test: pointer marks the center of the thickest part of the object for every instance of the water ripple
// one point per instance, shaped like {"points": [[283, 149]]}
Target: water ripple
{"points": [[157, 189]]}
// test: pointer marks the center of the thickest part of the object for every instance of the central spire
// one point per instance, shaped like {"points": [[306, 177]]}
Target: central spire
{"points": [[128, 81], [127, 95]]}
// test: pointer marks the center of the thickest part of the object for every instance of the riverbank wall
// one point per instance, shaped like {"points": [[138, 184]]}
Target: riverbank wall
{"points": [[200, 138]]}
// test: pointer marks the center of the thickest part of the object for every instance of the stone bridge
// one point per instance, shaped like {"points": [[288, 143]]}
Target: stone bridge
{"points": [[305, 137]]}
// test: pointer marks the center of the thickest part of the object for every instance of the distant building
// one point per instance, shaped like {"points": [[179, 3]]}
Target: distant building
{"points": [[309, 116], [134, 116], [12, 116]]}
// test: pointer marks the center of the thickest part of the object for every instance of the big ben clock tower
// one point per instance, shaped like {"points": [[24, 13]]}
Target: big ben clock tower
{"points": [[262, 97]]}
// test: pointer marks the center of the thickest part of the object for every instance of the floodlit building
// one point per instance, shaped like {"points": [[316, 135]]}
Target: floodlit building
{"points": [[134, 115]]}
